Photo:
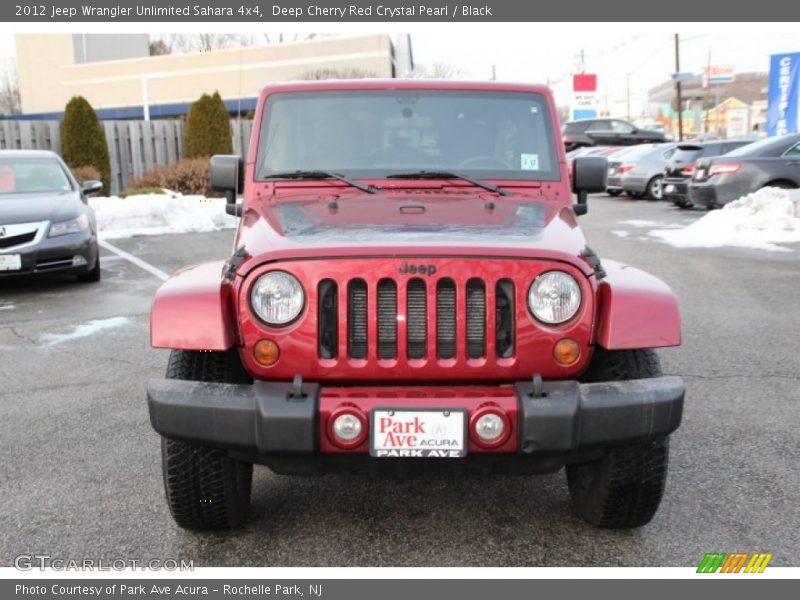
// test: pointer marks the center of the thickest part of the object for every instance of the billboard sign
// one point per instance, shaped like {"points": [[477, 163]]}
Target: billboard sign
{"points": [[584, 96], [784, 94], [718, 74]]}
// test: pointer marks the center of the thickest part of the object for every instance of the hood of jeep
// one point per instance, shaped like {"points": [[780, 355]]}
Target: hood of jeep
{"points": [[413, 224]]}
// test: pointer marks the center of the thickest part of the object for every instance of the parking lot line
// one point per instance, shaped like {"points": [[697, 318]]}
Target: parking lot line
{"points": [[135, 260]]}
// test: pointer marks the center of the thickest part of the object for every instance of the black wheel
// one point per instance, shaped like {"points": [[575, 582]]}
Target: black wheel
{"points": [[92, 274], [635, 195], [613, 192], [206, 489], [655, 190], [781, 185], [682, 203], [623, 488]]}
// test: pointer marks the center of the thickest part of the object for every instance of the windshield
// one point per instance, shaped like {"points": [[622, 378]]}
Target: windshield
{"points": [[365, 133], [28, 175]]}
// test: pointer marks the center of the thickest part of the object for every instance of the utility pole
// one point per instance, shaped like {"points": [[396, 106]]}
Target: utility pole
{"points": [[708, 89], [628, 93], [678, 85]]}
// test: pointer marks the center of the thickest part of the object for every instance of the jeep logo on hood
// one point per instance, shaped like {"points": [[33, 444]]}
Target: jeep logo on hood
{"points": [[410, 269]]}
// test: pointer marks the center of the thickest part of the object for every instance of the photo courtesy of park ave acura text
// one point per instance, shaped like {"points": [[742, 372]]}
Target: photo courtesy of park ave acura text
{"points": [[278, 292]]}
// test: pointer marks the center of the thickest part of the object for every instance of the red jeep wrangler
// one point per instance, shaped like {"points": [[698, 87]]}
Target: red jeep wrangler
{"points": [[410, 291]]}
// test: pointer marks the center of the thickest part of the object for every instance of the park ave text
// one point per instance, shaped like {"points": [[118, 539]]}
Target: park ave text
{"points": [[284, 12]]}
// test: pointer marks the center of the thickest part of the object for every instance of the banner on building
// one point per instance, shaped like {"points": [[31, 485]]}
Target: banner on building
{"points": [[784, 94]]}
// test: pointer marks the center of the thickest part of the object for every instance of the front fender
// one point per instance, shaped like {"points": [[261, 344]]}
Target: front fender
{"points": [[192, 310], [635, 310]]}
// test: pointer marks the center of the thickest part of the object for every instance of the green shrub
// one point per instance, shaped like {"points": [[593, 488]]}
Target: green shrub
{"points": [[189, 176], [83, 141], [208, 129], [135, 191]]}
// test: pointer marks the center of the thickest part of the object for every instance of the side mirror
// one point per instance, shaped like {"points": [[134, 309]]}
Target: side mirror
{"points": [[589, 176], [91, 187], [227, 175]]}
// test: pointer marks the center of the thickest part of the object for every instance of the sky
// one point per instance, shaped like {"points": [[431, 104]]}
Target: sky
{"points": [[549, 53]]}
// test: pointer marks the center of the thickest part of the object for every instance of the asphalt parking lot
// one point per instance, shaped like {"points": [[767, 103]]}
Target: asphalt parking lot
{"points": [[81, 475]]}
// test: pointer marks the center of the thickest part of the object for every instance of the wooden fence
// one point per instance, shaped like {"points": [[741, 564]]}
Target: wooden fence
{"points": [[133, 146]]}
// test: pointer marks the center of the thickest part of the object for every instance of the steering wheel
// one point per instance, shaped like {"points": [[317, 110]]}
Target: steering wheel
{"points": [[484, 161]]}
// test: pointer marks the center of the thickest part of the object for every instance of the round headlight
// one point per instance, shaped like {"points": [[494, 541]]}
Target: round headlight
{"points": [[277, 297], [554, 297]]}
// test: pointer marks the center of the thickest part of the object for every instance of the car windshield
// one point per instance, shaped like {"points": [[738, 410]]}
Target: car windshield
{"points": [[686, 154], [755, 148], [29, 175], [374, 134]]}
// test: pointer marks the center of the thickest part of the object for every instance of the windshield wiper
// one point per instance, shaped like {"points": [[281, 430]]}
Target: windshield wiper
{"points": [[450, 175], [322, 175]]}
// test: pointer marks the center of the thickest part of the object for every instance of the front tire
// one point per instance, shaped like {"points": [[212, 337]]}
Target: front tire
{"points": [[205, 488], [92, 275], [613, 193], [623, 488]]}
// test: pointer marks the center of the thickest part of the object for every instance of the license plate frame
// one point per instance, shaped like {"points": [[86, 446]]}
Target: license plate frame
{"points": [[455, 431], [10, 262]]}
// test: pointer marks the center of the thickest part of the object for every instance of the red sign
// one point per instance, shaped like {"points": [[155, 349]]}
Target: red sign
{"points": [[584, 83]]}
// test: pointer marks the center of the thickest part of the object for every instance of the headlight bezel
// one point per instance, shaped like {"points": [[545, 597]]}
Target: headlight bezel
{"points": [[77, 224], [261, 317], [546, 321]]}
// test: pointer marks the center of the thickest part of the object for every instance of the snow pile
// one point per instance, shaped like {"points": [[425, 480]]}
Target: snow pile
{"points": [[761, 220], [157, 214]]}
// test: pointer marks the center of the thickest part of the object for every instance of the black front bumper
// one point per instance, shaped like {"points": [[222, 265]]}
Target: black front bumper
{"points": [[56, 255], [678, 189], [265, 423]]}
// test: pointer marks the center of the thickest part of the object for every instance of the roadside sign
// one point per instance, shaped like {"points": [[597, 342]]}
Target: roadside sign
{"points": [[718, 74], [784, 94]]}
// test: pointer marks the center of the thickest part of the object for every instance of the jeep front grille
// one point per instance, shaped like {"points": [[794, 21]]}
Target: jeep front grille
{"points": [[450, 306]]}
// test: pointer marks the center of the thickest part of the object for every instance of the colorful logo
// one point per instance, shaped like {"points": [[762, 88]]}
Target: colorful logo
{"points": [[734, 562]]}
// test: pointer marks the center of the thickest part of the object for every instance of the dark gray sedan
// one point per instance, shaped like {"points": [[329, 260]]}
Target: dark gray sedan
{"points": [[46, 225], [771, 162]]}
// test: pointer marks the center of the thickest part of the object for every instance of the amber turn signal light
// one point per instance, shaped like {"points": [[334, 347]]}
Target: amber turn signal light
{"points": [[566, 351], [266, 352]]}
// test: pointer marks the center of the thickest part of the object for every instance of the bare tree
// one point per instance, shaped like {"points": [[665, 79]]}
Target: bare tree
{"points": [[319, 74], [10, 103], [438, 70], [282, 38], [203, 42]]}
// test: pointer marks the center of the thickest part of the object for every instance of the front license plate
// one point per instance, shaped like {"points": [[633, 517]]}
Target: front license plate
{"points": [[669, 188], [431, 433], [10, 262]]}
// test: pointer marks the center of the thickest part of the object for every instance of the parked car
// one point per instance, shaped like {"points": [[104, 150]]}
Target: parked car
{"points": [[771, 162], [646, 171], [390, 309], [615, 162], [606, 132], [680, 168], [46, 225]]}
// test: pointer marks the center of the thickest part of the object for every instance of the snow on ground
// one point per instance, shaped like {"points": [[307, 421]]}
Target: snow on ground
{"points": [[760, 220], [157, 214]]}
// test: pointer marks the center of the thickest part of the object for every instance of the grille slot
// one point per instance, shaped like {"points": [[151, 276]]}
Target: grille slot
{"points": [[446, 318], [328, 321], [417, 319], [504, 318], [476, 318], [387, 319], [8, 242], [357, 319]]}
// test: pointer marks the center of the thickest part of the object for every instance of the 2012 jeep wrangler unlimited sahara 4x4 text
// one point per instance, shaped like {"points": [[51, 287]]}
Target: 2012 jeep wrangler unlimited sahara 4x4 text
{"points": [[409, 290]]}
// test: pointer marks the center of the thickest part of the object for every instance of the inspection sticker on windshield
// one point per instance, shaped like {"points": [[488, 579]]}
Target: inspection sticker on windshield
{"points": [[418, 433], [10, 262], [530, 162]]}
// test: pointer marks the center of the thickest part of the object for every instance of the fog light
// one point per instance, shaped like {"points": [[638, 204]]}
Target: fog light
{"points": [[566, 351], [266, 352], [489, 427], [347, 427], [79, 261]]}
